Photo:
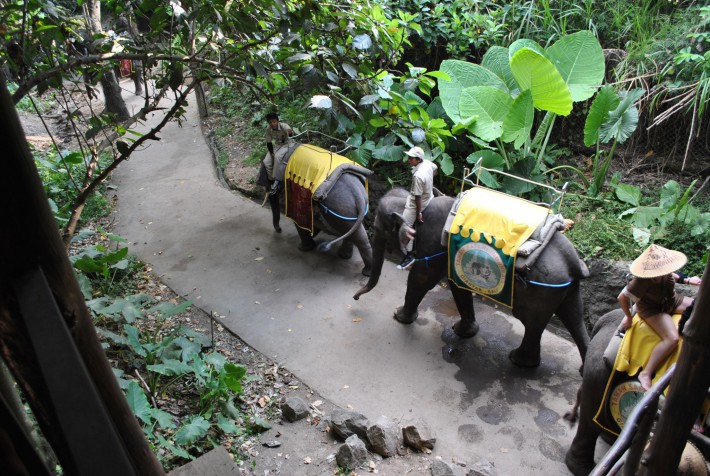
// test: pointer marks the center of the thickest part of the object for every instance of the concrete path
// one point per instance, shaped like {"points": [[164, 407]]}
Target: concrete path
{"points": [[218, 249]]}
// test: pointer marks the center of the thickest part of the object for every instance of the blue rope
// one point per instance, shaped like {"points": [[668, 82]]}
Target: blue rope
{"points": [[427, 258], [328, 210], [550, 285]]}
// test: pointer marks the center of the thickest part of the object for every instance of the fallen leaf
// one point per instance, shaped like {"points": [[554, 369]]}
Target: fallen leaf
{"points": [[317, 403], [300, 306], [504, 450], [262, 402], [357, 319], [257, 302], [260, 258], [307, 460], [346, 386]]}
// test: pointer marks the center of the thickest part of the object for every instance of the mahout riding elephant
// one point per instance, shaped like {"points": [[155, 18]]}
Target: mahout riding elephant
{"points": [[534, 305], [339, 207], [595, 376]]}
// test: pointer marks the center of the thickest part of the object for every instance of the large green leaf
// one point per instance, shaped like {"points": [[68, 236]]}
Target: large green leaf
{"points": [[195, 428], [519, 121], [497, 61], [580, 60], [138, 402], [606, 101], [623, 120], [490, 105], [533, 71], [463, 75]]}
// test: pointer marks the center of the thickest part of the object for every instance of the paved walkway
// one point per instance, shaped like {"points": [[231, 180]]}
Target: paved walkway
{"points": [[218, 249]]}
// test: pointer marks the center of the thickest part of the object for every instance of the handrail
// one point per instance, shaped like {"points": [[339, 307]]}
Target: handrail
{"points": [[478, 167], [307, 132], [623, 442]]}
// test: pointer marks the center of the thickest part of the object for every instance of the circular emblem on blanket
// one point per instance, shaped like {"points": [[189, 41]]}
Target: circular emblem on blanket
{"points": [[623, 399], [479, 266]]}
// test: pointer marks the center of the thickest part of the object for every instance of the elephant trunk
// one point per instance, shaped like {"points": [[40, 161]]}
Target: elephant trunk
{"points": [[378, 259]]}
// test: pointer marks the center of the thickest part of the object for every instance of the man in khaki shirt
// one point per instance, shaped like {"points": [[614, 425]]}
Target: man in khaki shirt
{"points": [[420, 195]]}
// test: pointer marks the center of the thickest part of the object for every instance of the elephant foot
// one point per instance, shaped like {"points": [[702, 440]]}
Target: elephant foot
{"points": [[366, 271], [465, 330], [400, 316], [577, 466], [523, 361], [307, 246]]}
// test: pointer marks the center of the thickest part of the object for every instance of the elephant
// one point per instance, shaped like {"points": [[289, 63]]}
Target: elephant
{"points": [[534, 305], [339, 211], [580, 455]]}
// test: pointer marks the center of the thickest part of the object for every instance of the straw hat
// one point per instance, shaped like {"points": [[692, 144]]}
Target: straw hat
{"points": [[657, 261]]}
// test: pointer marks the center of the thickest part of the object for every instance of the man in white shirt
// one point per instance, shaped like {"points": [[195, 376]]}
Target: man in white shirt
{"points": [[420, 195]]}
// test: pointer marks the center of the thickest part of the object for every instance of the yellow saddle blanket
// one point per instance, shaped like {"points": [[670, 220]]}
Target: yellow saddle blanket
{"points": [[623, 391], [310, 165], [307, 169], [484, 238]]}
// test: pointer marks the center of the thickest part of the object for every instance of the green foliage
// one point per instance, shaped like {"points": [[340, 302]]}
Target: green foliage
{"points": [[495, 102], [108, 267], [31, 104], [673, 212], [610, 119], [597, 231], [60, 173], [142, 337]]}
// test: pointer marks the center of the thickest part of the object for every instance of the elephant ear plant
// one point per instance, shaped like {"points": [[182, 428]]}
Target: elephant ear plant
{"points": [[495, 102]]}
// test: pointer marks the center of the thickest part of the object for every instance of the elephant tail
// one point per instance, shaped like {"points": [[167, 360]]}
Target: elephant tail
{"points": [[573, 413], [361, 206]]}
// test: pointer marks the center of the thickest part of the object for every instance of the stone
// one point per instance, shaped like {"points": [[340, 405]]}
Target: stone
{"points": [[294, 409], [418, 436], [383, 436], [352, 453], [346, 423], [441, 468], [483, 468]]}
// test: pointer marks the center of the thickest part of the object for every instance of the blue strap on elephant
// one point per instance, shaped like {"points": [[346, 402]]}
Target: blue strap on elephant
{"points": [[328, 210]]}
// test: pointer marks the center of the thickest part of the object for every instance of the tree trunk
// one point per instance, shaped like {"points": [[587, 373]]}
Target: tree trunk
{"points": [[112, 91], [30, 240], [112, 96], [686, 393], [201, 100]]}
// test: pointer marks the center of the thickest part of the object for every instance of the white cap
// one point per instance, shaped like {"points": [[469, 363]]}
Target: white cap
{"points": [[416, 151]]}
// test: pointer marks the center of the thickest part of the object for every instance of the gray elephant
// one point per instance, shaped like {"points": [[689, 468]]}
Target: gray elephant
{"points": [[534, 305], [339, 206], [580, 456]]}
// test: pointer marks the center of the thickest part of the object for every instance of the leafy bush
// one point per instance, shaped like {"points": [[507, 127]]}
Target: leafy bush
{"points": [[157, 359]]}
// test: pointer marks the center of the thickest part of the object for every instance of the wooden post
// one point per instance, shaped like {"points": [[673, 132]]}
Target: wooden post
{"points": [[29, 237], [686, 393]]}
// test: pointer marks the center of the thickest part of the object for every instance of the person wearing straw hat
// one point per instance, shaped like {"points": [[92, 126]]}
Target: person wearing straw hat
{"points": [[653, 290]]}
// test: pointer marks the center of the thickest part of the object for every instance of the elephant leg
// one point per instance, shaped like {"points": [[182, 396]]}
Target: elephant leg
{"points": [[534, 321], [307, 243], [346, 250], [580, 456], [571, 313], [422, 278], [275, 211], [467, 325]]}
